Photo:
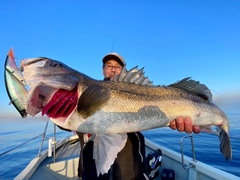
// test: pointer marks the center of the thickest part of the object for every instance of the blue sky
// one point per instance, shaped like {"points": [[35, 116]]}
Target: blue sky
{"points": [[171, 39]]}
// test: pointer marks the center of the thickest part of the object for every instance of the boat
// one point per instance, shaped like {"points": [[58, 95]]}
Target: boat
{"points": [[60, 161]]}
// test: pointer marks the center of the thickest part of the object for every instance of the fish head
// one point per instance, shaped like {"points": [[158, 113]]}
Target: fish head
{"points": [[45, 77], [50, 72]]}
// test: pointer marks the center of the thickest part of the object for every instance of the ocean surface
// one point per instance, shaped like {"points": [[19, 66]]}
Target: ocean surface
{"points": [[14, 132]]}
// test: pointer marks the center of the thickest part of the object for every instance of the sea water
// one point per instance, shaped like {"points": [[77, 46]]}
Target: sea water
{"points": [[14, 132]]}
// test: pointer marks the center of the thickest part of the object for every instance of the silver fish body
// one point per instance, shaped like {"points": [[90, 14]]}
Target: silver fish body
{"points": [[15, 85], [128, 104], [134, 107]]}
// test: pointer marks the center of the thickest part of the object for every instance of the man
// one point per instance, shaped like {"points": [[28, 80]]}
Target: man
{"points": [[131, 161]]}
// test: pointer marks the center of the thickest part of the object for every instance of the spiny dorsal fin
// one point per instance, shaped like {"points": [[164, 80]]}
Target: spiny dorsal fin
{"points": [[194, 87], [92, 99], [134, 76]]}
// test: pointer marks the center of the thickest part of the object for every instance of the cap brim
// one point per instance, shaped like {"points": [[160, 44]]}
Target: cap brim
{"points": [[112, 56]]}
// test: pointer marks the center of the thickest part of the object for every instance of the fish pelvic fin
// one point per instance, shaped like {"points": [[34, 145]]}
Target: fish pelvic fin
{"points": [[92, 99], [134, 75], [193, 86], [225, 145]]}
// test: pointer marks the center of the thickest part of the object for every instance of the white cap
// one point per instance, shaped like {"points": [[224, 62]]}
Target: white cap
{"points": [[114, 56]]}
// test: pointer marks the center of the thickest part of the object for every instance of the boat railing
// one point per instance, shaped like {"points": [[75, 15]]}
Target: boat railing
{"points": [[182, 152], [44, 137], [193, 151], [51, 141]]}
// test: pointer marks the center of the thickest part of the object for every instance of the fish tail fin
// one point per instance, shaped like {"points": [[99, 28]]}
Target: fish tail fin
{"points": [[225, 145]]}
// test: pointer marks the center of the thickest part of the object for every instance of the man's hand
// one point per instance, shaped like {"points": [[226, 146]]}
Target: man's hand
{"points": [[184, 124]]}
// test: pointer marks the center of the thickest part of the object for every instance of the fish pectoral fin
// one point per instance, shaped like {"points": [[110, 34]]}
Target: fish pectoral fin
{"points": [[92, 99], [106, 148], [225, 145]]}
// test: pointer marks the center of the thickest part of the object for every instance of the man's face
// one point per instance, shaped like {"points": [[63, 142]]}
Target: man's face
{"points": [[111, 68]]}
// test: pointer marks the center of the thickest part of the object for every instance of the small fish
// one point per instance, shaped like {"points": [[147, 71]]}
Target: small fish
{"points": [[130, 103], [14, 83]]}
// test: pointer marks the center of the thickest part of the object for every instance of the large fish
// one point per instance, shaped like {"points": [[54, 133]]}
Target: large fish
{"points": [[15, 84], [130, 103], [77, 102]]}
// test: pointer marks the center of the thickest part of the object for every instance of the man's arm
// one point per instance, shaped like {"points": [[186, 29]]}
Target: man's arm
{"points": [[184, 124]]}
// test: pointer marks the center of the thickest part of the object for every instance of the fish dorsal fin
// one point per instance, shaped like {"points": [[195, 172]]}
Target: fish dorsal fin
{"points": [[92, 99], [194, 87], [134, 75]]}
